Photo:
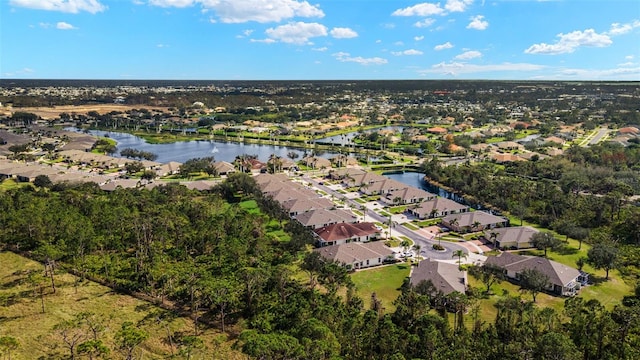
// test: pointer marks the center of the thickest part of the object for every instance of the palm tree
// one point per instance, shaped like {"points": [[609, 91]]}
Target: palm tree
{"points": [[475, 225], [494, 236], [460, 254], [453, 222]]}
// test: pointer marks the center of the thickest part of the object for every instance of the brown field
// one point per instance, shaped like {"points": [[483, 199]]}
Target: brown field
{"points": [[21, 317], [54, 111]]}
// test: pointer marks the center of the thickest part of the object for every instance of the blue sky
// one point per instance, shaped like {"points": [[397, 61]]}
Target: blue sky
{"points": [[321, 39]]}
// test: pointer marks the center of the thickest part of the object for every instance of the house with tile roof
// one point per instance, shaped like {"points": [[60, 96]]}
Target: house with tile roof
{"points": [[342, 233], [473, 221], [436, 207], [516, 237], [298, 206], [318, 218], [407, 195], [563, 280], [356, 255], [445, 277]]}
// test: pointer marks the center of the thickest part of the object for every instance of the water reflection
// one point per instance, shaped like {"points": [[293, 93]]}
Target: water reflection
{"points": [[182, 151]]}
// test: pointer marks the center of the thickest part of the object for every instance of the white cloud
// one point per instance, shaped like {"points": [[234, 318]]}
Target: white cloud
{"points": [[343, 33], [629, 57], [65, 26], [444, 46], [468, 55], [457, 68], [262, 11], [20, 72], [568, 43], [418, 38], [423, 9], [627, 64], [424, 23], [477, 23], [296, 33], [457, 5], [398, 43], [346, 57], [407, 52], [44, 25], [172, 3], [266, 41], [630, 73], [68, 6], [162, 46], [321, 49], [620, 29]]}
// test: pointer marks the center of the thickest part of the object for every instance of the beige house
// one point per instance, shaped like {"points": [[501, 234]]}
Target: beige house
{"points": [[473, 221], [357, 255], [517, 237], [445, 277]]}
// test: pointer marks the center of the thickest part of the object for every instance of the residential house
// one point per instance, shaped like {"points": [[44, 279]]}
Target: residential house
{"points": [[480, 148], [437, 130], [170, 168], [363, 180], [516, 237], [503, 158], [445, 277], [473, 221], [224, 168], [318, 218], [563, 280], [344, 173], [408, 195], [554, 140], [316, 163], [509, 145], [357, 255], [383, 187], [436, 207], [297, 206], [342, 233]]}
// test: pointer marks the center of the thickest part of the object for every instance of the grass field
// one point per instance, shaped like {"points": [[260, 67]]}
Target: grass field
{"points": [[9, 184], [385, 281], [21, 316]]}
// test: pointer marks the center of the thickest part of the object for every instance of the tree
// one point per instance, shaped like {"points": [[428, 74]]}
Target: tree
{"points": [[72, 334], [128, 338], [42, 181], [544, 241], [533, 281], [94, 349], [189, 344], [8, 344], [133, 167], [489, 274], [460, 254], [603, 256], [555, 346]]}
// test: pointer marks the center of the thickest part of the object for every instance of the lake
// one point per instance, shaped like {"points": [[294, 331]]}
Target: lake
{"points": [[182, 151]]}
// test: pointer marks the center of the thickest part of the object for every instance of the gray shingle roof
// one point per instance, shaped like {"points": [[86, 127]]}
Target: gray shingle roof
{"points": [[445, 277]]}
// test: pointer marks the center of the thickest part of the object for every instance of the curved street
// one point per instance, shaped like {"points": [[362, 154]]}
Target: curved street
{"points": [[426, 244]]}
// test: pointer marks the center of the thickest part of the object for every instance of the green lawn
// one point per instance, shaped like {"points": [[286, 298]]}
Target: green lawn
{"points": [[11, 184], [410, 226], [385, 281], [398, 209], [250, 206]]}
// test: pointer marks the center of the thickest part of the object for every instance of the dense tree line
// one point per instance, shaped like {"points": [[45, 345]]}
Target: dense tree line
{"points": [[205, 254]]}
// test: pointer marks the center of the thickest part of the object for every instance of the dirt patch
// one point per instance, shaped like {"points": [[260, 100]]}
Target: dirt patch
{"points": [[54, 111]]}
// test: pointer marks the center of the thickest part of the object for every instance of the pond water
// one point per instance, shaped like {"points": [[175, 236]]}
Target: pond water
{"points": [[182, 151], [347, 138], [416, 179]]}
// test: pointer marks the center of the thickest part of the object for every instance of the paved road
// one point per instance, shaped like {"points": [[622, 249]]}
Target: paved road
{"points": [[602, 132], [426, 245]]}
